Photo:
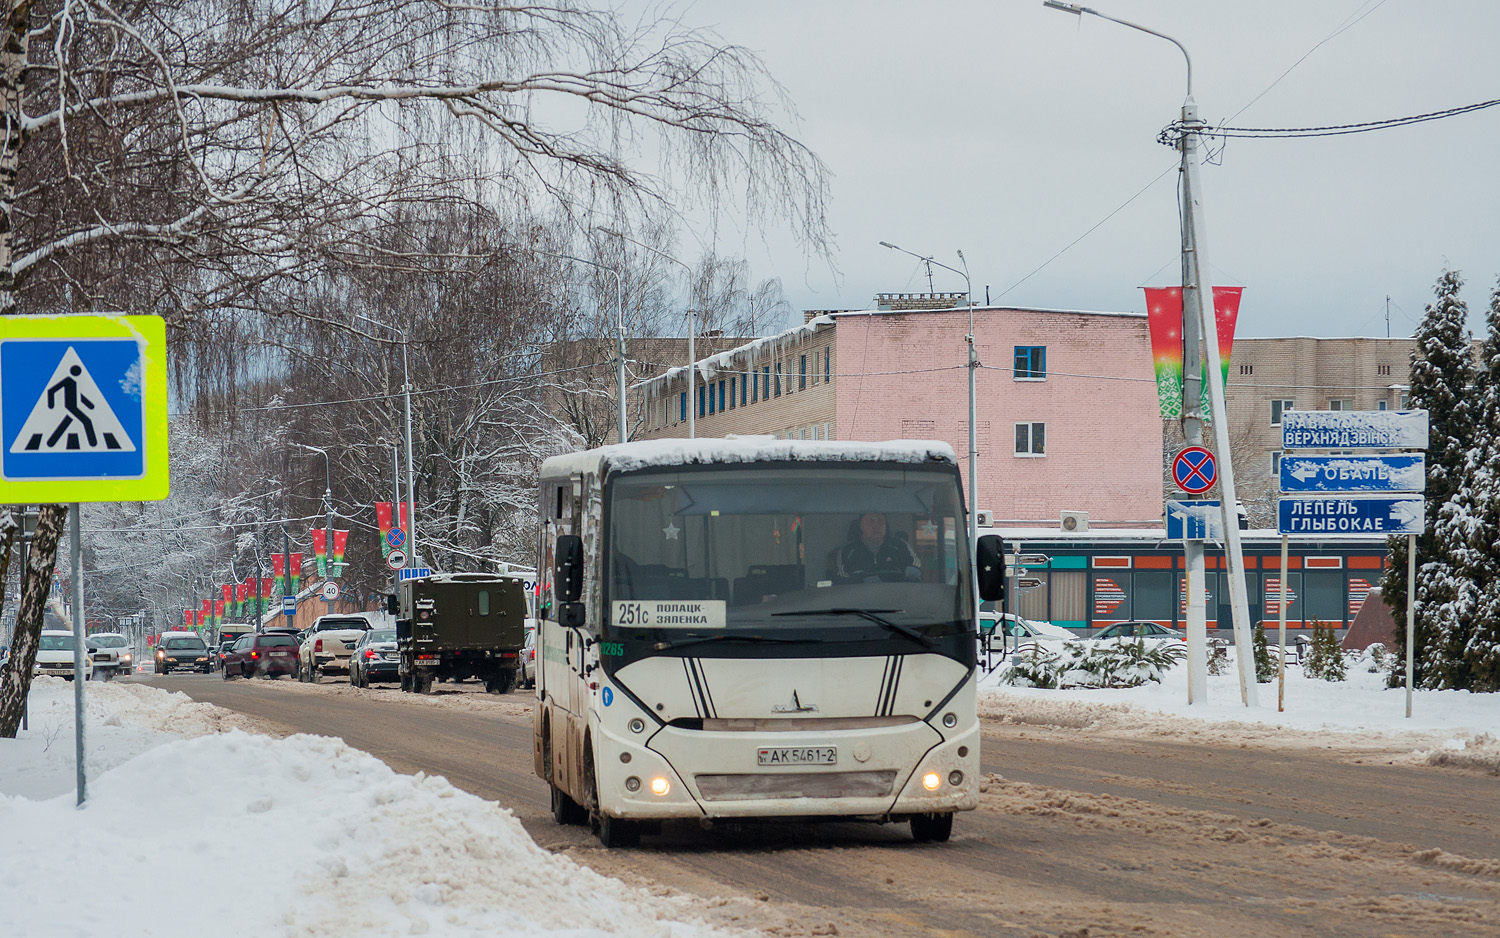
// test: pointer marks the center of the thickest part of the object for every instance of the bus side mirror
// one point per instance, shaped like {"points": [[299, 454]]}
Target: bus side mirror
{"points": [[570, 568], [989, 557]]}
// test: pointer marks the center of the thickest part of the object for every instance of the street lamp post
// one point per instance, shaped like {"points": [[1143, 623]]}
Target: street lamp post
{"points": [[1199, 325], [973, 368], [411, 485], [692, 351], [328, 503], [619, 332]]}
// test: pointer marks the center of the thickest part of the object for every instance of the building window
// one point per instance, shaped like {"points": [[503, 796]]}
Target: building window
{"points": [[682, 407], [827, 364], [827, 431], [1275, 469], [1383, 370], [1406, 400], [1340, 403], [1276, 408], [802, 379], [1247, 369], [1031, 362], [766, 384], [710, 389], [1380, 405], [732, 393], [702, 401], [778, 379], [755, 389], [721, 394], [1031, 439], [744, 389]]}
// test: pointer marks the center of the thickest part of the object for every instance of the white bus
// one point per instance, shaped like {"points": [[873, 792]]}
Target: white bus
{"points": [[751, 628]]}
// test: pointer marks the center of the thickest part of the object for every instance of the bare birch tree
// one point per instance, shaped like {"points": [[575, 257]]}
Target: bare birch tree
{"points": [[197, 157]]}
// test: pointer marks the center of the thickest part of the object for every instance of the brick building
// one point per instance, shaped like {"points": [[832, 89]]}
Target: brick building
{"points": [[1067, 414]]}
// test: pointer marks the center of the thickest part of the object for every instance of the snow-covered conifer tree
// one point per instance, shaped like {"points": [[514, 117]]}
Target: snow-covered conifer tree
{"points": [[1442, 371], [1481, 499]]}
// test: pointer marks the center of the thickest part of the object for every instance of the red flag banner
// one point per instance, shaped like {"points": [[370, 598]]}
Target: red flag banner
{"points": [[278, 569], [241, 593], [296, 572], [267, 587], [218, 612], [340, 541], [405, 523], [383, 519], [191, 618], [205, 611], [228, 589], [1164, 318], [320, 549]]}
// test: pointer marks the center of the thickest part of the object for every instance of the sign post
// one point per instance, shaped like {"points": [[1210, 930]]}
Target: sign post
{"points": [[83, 418], [1195, 471], [1386, 487]]}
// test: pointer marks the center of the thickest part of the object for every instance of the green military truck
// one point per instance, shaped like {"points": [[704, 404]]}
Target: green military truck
{"points": [[460, 625]]}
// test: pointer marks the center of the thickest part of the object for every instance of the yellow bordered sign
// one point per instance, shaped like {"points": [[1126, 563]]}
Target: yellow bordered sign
{"points": [[83, 409]]}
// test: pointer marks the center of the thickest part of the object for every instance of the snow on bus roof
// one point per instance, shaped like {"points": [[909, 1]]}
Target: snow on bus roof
{"points": [[623, 457]]}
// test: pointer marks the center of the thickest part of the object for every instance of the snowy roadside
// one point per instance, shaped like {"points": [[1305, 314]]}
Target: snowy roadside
{"points": [[1446, 727], [329, 840]]}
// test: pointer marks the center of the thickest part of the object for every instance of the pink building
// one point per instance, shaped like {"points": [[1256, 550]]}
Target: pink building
{"points": [[1067, 411]]}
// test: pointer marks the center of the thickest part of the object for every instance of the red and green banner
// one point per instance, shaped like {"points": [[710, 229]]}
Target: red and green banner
{"points": [[383, 519], [267, 589], [241, 593], [218, 612], [296, 572], [1164, 317], [228, 589], [340, 541], [405, 527], [278, 572], [320, 550], [206, 612], [192, 618]]}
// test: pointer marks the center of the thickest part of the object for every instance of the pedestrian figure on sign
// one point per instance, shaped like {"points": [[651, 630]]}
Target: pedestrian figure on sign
{"points": [[68, 384]]}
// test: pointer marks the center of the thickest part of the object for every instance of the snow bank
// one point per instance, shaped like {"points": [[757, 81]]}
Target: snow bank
{"points": [[1358, 713], [234, 834]]}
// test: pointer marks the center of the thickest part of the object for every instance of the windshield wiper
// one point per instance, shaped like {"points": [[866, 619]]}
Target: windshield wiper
{"points": [[700, 639], [871, 615]]}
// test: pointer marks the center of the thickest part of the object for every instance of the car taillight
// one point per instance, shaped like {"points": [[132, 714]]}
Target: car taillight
{"points": [[369, 653], [255, 654], [318, 645], [531, 654]]}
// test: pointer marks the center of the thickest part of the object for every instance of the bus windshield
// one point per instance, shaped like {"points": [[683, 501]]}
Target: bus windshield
{"points": [[815, 553]]}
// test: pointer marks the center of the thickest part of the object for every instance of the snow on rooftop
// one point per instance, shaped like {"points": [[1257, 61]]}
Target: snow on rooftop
{"points": [[624, 457]]}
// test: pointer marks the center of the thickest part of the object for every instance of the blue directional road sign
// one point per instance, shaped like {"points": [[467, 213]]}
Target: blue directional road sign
{"points": [[1389, 472], [82, 409], [412, 573], [1195, 520], [1354, 429], [1399, 514], [1194, 470]]}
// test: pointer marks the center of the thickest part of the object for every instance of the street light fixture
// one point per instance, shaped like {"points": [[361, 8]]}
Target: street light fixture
{"points": [[973, 367], [1199, 326], [619, 331], [692, 351], [411, 485], [327, 500]]}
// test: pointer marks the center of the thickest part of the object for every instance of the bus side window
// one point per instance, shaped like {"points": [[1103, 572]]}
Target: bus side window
{"points": [[484, 602]]}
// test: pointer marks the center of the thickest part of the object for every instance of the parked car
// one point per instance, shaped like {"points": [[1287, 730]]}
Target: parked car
{"points": [[54, 655], [222, 651], [328, 645], [264, 654], [375, 658], [526, 674], [1019, 631], [181, 651], [1150, 632]]}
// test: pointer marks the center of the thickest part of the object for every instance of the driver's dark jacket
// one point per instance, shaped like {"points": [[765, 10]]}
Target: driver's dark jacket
{"points": [[892, 556]]}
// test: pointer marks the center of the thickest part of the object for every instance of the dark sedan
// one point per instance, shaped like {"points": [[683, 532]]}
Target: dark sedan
{"points": [[179, 651], [375, 658], [266, 654]]}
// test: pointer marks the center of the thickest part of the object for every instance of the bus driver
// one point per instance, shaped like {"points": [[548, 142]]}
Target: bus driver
{"points": [[874, 554]]}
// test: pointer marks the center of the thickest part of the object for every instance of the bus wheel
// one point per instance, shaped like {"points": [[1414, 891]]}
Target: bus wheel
{"points": [[614, 832], [925, 827], [565, 810]]}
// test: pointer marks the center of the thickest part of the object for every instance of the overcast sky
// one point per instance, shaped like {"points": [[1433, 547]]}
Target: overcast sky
{"points": [[1008, 131]]}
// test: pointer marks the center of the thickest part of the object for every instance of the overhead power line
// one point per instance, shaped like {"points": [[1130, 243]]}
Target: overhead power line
{"points": [[1173, 131]]}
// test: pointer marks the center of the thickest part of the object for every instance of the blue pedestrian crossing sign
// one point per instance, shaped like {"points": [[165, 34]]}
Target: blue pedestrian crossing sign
{"points": [[83, 409]]}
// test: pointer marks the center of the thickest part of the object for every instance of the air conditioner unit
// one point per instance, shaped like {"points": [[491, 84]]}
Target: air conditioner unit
{"points": [[984, 518], [1075, 521]]}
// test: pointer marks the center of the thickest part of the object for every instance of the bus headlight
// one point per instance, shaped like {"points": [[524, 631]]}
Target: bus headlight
{"points": [[931, 781], [660, 786]]}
